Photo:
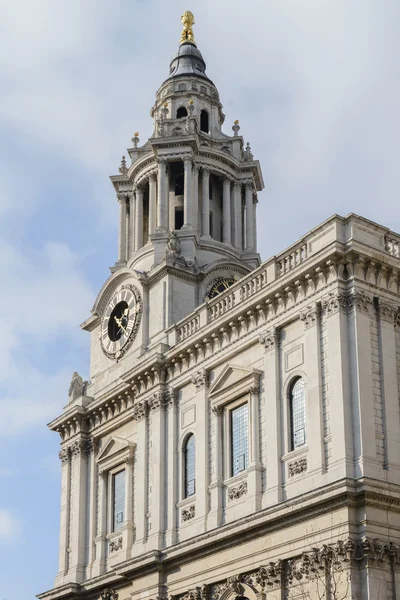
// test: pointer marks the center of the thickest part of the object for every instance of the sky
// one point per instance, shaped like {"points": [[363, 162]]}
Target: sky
{"points": [[315, 86]]}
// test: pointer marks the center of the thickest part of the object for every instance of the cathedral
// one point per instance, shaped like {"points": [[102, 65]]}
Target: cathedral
{"points": [[239, 437]]}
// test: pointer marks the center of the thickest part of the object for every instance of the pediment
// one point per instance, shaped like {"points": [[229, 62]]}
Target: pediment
{"points": [[114, 446], [232, 380]]}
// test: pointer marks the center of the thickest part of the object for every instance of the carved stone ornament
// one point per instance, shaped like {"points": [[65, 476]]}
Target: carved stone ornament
{"points": [[297, 466], [199, 593], [116, 545], [266, 577], [140, 410], [170, 397], [199, 379], [247, 154], [310, 316], [388, 312], [77, 387], [64, 455], [109, 594], [81, 447], [269, 339], [334, 302], [234, 493], [173, 245], [156, 401], [360, 301], [188, 513]]}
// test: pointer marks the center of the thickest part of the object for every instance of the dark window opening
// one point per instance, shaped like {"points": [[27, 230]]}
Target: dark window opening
{"points": [[211, 224], [181, 112], [179, 185], [204, 125], [178, 217]]}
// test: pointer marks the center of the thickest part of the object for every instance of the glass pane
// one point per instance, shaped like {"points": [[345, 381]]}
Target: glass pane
{"points": [[239, 438], [118, 487], [298, 414], [190, 466]]}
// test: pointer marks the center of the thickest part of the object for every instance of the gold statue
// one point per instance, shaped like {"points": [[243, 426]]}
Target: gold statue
{"points": [[187, 34]]}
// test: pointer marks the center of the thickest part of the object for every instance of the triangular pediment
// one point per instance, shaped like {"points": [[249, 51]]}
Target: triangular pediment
{"points": [[231, 377], [114, 445]]}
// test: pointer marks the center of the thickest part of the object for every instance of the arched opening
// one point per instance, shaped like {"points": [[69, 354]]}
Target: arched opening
{"points": [[189, 457], [181, 112], [204, 121], [297, 401]]}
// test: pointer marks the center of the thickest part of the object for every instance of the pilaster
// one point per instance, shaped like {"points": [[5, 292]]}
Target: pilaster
{"points": [[162, 199], [249, 217], [65, 457], [205, 226], [226, 211], [140, 414], [99, 564], [122, 229], [158, 470], [187, 194], [139, 218], [172, 466], [237, 194], [200, 381], [152, 202], [215, 488]]}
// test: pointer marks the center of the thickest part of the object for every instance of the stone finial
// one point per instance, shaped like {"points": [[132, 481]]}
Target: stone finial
{"points": [[247, 154], [190, 107], [236, 127], [135, 139], [77, 387], [123, 168]]}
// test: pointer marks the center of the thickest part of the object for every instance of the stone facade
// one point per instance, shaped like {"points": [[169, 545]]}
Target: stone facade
{"points": [[300, 519]]}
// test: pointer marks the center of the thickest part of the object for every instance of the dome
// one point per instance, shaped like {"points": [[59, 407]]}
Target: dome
{"points": [[188, 60]]}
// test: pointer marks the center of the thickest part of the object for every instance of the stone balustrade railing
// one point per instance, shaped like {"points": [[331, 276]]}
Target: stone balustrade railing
{"points": [[188, 327], [292, 259], [392, 245], [220, 307]]}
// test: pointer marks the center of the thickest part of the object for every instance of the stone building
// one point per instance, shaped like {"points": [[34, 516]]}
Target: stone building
{"points": [[240, 433]]}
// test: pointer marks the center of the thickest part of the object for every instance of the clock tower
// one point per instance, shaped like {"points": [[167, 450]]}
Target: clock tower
{"points": [[187, 207]]}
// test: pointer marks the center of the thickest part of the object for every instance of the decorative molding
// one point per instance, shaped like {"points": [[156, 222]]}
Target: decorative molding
{"points": [[199, 379], [156, 401], [79, 447], [115, 545], [359, 300], [234, 493], [170, 397], [297, 466], [266, 577], [108, 594], [140, 410], [64, 455], [387, 311], [310, 315], [188, 513], [199, 593], [217, 410], [269, 339], [334, 302]]}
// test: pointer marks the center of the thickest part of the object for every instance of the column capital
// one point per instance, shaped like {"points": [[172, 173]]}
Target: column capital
{"points": [[248, 183], [200, 379], [310, 315], [64, 455], [123, 196], [387, 311], [237, 184], [153, 175], [161, 160], [187, 158], [269, 339], [205, 171], [217, 410], [140, 410]]}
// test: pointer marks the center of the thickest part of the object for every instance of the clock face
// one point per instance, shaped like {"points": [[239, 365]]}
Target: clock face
{"points": [[121, 321], [219, 285]]}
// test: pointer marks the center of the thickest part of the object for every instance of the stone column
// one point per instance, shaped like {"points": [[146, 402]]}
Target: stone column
{"points": [[237, 193], [215, 514], [158, 481], [172, 468], [122, 229], [162, 199], [128, 505], [140, 411], [226, 211], [202, 442], [187, 194], [249, 217], [101, 538], [312, 365], [79, 451], [152, 202], [139, 219], [145, 314], [254, 470], [132, 214], [255, 202], [339, 428], [195, 213], [65, 457], [387, 315], [273, 424], [205, 228], [92, 477]]}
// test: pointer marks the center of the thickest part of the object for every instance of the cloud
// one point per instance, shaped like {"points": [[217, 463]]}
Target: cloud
{"points": [[10, 526]]}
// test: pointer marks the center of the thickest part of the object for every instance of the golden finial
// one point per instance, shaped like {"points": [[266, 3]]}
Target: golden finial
{"points": [[187, 34], [236, 122], [190, 101], [136, 134]]}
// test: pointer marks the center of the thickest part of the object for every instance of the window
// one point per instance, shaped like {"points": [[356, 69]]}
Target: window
{"points": [[179, 182], [297, 414], [239, 429], [204, 125], [181, 112], [189, 457], [178, 217], [118, 500]]}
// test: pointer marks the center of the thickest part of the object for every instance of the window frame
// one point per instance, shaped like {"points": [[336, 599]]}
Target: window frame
{"points": [[242, 401], [185, 495], [110, 498], [291, 437]]}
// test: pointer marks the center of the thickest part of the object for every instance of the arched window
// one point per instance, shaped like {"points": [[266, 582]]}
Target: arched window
{"points": [[181, 112], [297, 399], [189, 458], [204, 125]]}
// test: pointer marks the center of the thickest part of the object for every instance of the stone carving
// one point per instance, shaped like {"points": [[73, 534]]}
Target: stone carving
{"points": [[298, 466], [199, 593], [310, 315], [173, 245], [188, 513], [233, 583], [77, 387], [359, 300], [135, 139], [247, 154], [269, 338], [81, 447], [266, 577], [64, 455], [156, 401], [236, 127], [334, 302], [108, 594], [123, 168], [140, 410], [217, 410], [199, 379], [234, 493], [116, 545], [387, 311], [170, 397]]}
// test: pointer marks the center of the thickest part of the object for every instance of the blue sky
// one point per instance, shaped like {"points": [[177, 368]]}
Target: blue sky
{"points": [[316, 88]]}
